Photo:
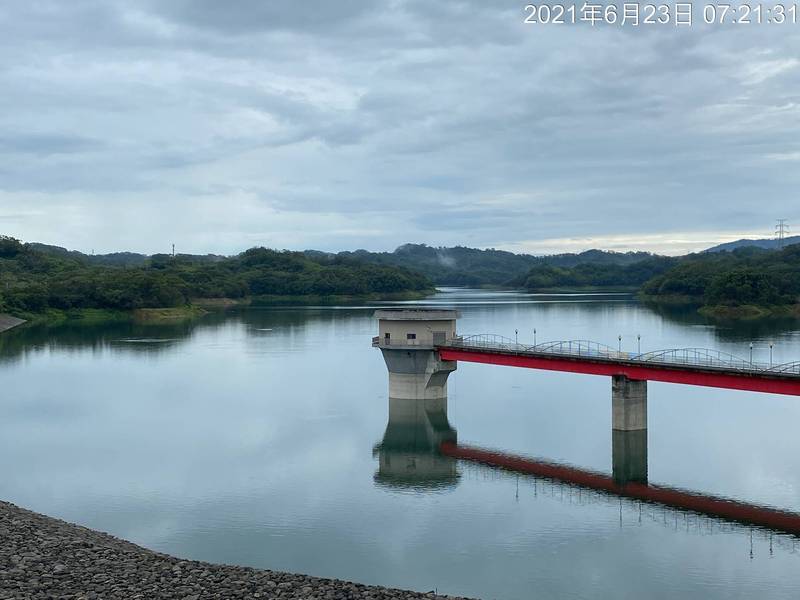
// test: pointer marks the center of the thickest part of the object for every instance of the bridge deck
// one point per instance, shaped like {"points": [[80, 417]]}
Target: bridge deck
{"points": [[686, 366]]}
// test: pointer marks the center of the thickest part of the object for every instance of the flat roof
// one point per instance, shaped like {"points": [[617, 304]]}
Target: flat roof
{"points": [[417, 314]]}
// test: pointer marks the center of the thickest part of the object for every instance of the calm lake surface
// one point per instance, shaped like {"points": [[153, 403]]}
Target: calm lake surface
{"points": [[251, 438]]}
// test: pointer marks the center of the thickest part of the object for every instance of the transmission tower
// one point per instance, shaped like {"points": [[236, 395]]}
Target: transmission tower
{"points": [[781, 229]]}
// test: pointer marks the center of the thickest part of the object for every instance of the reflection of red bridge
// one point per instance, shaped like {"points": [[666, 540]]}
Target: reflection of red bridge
{"points": [[693, 366], [709, 505]]}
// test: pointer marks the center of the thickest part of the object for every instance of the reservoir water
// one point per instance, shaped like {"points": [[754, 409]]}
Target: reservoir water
{"points": [[253, 437]]}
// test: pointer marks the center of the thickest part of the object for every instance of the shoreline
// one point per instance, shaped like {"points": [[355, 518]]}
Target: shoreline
{"points": [[198, 307], [724, 313], [44, 557]]}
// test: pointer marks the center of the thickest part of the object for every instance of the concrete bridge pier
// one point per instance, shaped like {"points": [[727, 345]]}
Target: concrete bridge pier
{"points": [[629, 430]]}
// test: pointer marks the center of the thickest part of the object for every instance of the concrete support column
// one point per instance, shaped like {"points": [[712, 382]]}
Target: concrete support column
{"points": [[628, 404], [629, 430], [417, 374]]}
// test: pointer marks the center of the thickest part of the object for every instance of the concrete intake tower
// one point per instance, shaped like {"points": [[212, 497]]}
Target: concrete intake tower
{"points": [[406, 339]]}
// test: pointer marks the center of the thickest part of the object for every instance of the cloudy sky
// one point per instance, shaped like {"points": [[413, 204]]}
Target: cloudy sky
{"points": [[360, 123]]}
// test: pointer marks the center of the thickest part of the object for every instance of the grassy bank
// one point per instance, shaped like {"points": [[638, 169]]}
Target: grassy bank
{"points": [[724, 312], [585, 289], [95, 316], [167, 315], [671, 299], [749, 311], [200, 307], [334, 299]]}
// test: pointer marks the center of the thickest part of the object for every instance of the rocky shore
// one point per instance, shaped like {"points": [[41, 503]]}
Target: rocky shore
{"points": [[45, 558]]}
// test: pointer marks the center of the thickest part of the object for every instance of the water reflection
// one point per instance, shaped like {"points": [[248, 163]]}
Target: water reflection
{"points": [[408, 455], [125, 336], [741, 330], [629, 456], [236, 444], [419, 451]]}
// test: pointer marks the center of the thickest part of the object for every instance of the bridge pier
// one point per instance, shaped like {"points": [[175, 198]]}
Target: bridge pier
{"points": [[628, 403], [629, 430]]}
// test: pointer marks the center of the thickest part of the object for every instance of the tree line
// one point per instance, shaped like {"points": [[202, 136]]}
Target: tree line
{"points": [[745, 276], [32, 280]]}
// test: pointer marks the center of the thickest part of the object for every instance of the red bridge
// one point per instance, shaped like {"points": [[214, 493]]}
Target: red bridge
{"points": [[692, 366]]}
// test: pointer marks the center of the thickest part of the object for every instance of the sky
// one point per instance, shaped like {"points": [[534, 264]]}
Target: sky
{"points": [[216, 126]]}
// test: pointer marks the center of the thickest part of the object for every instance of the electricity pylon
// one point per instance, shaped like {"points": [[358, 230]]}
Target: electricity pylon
{"points": [[781, 229]]}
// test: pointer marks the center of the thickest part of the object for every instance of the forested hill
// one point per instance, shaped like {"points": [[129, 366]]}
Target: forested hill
{"points": [[746, 276], [765, 243], [460, 265], [545, 277], [115, 259], [32, 280], [749, 277]]}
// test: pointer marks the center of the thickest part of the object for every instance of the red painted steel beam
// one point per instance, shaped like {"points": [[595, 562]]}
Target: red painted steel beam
{"points": [[667, 374], [709, 505]]}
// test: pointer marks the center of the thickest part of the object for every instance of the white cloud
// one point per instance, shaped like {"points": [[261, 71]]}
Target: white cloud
{"points": [[377, 124]]}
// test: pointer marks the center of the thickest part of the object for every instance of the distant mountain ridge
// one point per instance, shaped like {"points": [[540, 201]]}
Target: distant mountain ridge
{"points": [[457, 265], [765, 243], [460, 265]]}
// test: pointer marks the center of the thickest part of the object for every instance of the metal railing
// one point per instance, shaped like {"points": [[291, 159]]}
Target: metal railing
{"points": [[792, 368], [692, 357]]}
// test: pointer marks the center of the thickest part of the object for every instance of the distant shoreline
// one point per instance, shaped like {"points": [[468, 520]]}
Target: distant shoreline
{"points": [[197, 308], [721, 312]]}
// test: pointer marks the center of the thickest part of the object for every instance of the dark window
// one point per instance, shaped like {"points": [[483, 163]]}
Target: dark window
{"points": [[411, 336]]}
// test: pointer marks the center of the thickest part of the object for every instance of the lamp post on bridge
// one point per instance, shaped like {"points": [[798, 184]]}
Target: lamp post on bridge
{"points": [[534, 336], [619, 338], [751, 354], [516, 336], [770, 354], [638, 343]]}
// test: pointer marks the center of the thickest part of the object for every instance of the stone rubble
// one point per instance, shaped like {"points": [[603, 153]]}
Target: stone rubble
{"points": [[45, 558]]}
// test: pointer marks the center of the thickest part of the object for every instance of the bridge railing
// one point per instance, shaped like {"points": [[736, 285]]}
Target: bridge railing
{"points": [[695, 357], [583, 348], [791, 368]]}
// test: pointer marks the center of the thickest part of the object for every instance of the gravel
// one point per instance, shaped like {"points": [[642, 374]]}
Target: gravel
{"points": [[42, 557]]}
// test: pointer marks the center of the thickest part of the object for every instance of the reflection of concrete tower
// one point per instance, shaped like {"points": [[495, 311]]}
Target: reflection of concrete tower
{"points": [[407, 339], [409, 454]]}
